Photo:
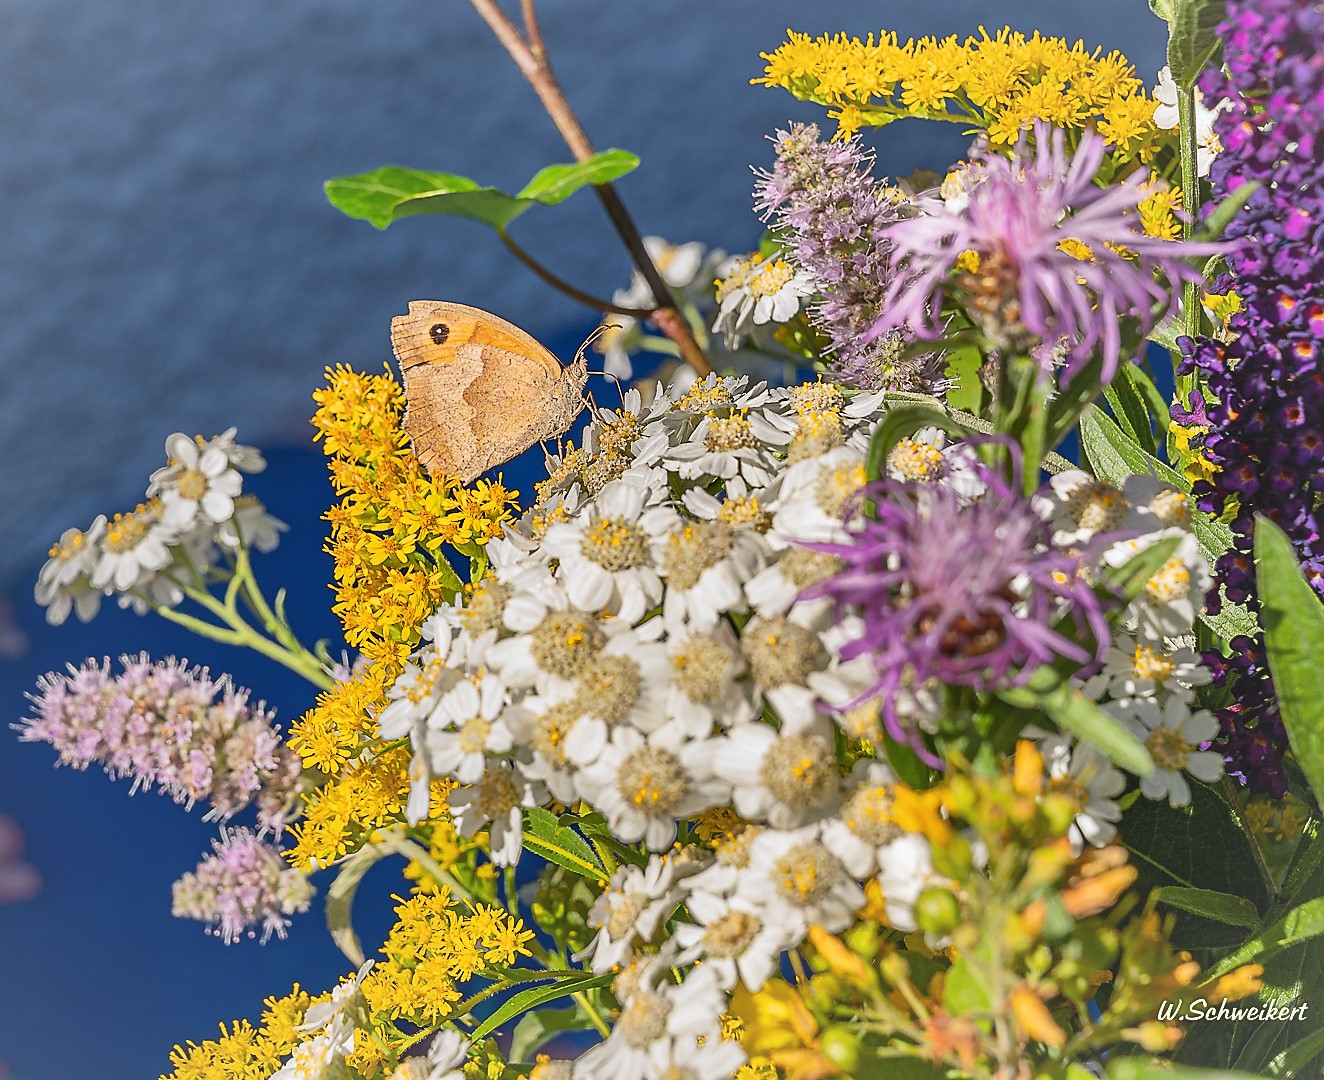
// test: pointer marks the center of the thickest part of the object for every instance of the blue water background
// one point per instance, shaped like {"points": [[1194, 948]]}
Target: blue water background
{"points": [[169, 263]]}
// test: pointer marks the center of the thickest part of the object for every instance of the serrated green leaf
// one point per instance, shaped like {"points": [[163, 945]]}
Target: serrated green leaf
{"points": [[1222, 907], [555, 183], [1293, 618], [1193, 37], [548, 838], [392, 192], [539, 1027], [1072, 711], [533, 997]]}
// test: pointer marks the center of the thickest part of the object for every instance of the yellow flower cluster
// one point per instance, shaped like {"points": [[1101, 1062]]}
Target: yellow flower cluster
{"points": [[245, 1052], [393, 519], [388, 532], [1000, 84], [435, 947]]}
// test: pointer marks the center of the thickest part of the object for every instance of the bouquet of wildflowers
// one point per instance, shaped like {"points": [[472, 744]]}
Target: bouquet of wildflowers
{"points": [[915, 677]]}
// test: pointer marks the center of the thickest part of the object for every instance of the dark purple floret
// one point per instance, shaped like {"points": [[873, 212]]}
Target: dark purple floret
{"points": [[1265, 386]]}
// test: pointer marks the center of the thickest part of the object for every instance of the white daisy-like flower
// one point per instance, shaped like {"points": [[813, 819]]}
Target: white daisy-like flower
{"points": [[443, 1061], [783, 653], [644, 785], [656, 1020], [466, 726], [1208, 145], [343, 999], [1137, 668], [636, 902], [754, 291], [731, 859], [136, 545], [552, 643], [251, 526], [705, 563], [1080, 506], [200, 481], [730, 938], [799, 882], [814, 498], [1173, 735], [498, 799], [247, 459], [63, 583], [785, 779], [864, 824], [1087, 777], [703, 689], [419, 687], [1170, 601], [905, 871], [624, 684], [607, 554], [540, 724], [1157, 505], [728, 443], [322, 1057]]}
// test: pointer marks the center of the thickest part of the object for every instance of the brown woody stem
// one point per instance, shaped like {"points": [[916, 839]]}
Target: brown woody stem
{"points": [[530, 57]]}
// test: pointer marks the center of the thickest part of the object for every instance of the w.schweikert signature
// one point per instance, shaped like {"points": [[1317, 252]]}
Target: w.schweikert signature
{"points": [[1203, 1009]]}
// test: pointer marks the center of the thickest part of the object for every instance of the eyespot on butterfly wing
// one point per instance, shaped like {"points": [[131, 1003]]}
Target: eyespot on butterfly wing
{"points": [[478, 389]]}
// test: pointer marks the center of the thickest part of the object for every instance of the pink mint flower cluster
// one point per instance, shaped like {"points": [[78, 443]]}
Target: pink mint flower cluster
{"points": [[172, 727]]}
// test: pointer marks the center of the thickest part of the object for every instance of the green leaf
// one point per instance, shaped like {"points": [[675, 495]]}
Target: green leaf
{"points": [[1114, 457], [393, 192], [1292, 952], [1302, 923], [1129, 580], [1072, 711], [1228, 207], [529, 999], [1129, 410], [1293, 618], [1138, 1068], [546, 837], [1291, 1063], [1164, 9], [1197, 847], [1193, 37], [962, 990], [1222, 907], [340, 899], [539, 1027], [902, 421], [556, 183], [906, 763]]}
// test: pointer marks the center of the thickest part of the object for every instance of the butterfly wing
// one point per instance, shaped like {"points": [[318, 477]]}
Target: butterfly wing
{"points": [[479, 389]]}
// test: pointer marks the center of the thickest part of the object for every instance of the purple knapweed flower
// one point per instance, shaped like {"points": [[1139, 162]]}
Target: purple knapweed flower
{"points": [[1034, 252], [242, 885], [1264, 406], [825, 205], [170, 726], [968, 593]]}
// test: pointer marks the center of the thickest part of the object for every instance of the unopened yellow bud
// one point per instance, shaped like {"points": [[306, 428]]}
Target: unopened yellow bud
{"points": [[1034, 1018], [1239, 983]]}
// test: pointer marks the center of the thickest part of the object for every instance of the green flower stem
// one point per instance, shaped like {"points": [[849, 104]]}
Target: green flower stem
{"points": [[237, 631], [1190, 196], [1228, 790]]}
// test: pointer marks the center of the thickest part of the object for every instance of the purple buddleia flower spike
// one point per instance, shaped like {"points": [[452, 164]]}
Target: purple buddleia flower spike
{"points": [[1265, 413]]}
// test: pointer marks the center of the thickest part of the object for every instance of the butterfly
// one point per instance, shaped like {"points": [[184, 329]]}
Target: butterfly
{"points": [[479, 390]]}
